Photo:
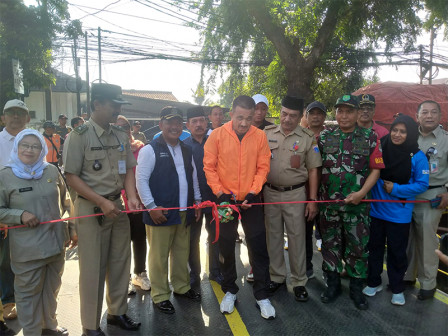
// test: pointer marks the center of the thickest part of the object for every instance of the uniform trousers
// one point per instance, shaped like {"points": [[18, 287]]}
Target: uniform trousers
{"points": [[253, 225], [345, 235], [423, 240], [395, 235], [6, 274], [36, 285], [104, 252], [291, 217], [213, 247], [168, 243], [138, 239]]}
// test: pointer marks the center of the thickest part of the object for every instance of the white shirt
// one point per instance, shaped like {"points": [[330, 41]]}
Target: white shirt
{"points": [[146, 161], [6, 146]]}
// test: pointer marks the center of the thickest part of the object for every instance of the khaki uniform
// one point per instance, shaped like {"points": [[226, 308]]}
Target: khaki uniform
{"points": [[140, 136], [423, 240], [37, 254], [93, 154], [302, 143]]}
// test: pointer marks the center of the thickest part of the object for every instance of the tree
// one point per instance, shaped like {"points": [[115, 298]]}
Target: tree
{"points": [[308, 48], [26, 34]]}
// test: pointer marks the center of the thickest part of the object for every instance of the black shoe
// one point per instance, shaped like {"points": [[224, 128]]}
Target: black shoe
{"points": [[5, 331], [300, 294], [165, 307], [425, 294], [123, 321], [333, 287], [273, 286], [357, 295], [60, 331], [90, 332], [190, 294]]}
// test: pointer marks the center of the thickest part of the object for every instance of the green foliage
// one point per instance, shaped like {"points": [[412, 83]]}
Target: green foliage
{"points": [[317, 49], [26, 34]]}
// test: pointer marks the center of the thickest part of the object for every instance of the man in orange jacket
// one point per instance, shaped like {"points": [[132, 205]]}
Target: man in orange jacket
{"points": [[236, 163], [53, 141]]}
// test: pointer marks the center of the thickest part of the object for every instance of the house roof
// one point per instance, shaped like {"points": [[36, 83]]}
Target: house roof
{"points": [[163, 95]]}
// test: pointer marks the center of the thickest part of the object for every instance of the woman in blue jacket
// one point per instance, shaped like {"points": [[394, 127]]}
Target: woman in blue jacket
{"points": [[406, 175]]}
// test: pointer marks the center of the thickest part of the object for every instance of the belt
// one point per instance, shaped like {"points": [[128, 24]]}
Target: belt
{"points": [[297, 186], [435, 187], [110, 197]]}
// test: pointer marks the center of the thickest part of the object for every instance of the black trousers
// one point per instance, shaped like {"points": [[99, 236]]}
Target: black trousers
{"points": [[138, 239], [309, 240], [254, 229], [396, 236]]}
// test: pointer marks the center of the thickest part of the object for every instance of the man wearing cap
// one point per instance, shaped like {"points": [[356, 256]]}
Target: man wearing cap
{"points": [[197, 125], [236, 163], [367, 111], [167, 178], [261, 109], [98, 164], [315, 115], [53, 141], [351, 163], [423, 240], [295, 159], [62, 128], [136, 126], [15, 117], [216, 118]]}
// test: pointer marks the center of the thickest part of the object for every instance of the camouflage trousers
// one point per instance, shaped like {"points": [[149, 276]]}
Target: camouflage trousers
{"points": [[345, 235]]}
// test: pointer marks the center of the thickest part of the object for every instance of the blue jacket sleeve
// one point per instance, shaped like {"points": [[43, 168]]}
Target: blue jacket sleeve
{"points": [[419, 181]]}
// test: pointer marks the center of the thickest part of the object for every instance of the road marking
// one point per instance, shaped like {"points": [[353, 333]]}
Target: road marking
{"points": [[234, 320]]}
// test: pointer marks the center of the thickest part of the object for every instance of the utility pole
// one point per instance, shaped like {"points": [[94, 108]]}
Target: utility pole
{"points": [[77, 80], [420, 47], [431, 47], [87, 76], [99, 53]]}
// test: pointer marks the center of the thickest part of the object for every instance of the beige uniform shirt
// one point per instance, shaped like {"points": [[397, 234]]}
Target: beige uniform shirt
{"points": [[99, 157], [282, 148], [438, 162], [44, 198]]}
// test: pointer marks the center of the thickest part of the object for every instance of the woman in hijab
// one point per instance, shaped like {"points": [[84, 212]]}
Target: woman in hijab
{"points": [[406, 175], [32, 191]]}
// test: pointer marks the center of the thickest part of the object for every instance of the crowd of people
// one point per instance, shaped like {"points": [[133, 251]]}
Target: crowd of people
{"points": [[312, 177]]}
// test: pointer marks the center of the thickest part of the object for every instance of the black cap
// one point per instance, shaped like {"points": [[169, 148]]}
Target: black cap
{"points": [[293, 103], [170, 112], [49, 124], [348, 100], [196, 111], [62, 116], [365, 99], [108, 91], [318, 105]]}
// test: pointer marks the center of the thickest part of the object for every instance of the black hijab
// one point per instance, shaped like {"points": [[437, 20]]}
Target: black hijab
{"points": [[398, 158]]}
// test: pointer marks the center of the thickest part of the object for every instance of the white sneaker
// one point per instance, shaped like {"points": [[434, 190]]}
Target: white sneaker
{"points": [[228, 303], [398, 299], [142, 281], [266, 309], [371, 291]]}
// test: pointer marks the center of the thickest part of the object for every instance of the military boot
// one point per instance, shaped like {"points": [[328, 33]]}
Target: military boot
{"points": [[333, 287], [356, 294]]}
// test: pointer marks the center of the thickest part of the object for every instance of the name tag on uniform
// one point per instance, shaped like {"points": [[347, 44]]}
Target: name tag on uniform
{"points": [[121, 167], [96, 148], [434, 166], [25, 189]]}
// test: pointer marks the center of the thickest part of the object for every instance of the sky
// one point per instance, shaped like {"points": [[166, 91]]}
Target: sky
{"points": [[164, 33]]}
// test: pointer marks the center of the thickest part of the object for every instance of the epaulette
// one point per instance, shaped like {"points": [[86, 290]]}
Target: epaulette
{"points": [[270, 127], [118, 128], [308, 131], [81, 129]]}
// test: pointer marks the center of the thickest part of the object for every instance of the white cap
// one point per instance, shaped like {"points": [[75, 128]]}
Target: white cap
{"points": [[15, 103], [259, 98]]}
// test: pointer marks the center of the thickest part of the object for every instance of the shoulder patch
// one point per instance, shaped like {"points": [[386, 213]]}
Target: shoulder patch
{"points": [[81, 129], [308, 131]]}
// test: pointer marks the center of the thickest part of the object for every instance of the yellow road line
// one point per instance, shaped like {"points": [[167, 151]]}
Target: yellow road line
{"points": [[234, 320]]}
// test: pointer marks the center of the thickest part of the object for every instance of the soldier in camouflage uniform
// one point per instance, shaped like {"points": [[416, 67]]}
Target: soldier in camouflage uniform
{"points": [[351, 163]]}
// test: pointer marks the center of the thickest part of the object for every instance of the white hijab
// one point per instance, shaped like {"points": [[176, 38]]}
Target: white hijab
{"points": [[24, 171]]}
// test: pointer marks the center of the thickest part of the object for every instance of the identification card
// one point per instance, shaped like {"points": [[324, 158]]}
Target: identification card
{"points": [[434, 166], [121, 167], [295, 161]]}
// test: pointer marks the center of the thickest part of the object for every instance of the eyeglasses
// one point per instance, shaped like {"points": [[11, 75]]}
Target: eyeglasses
{"points": [[33, 148]]}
